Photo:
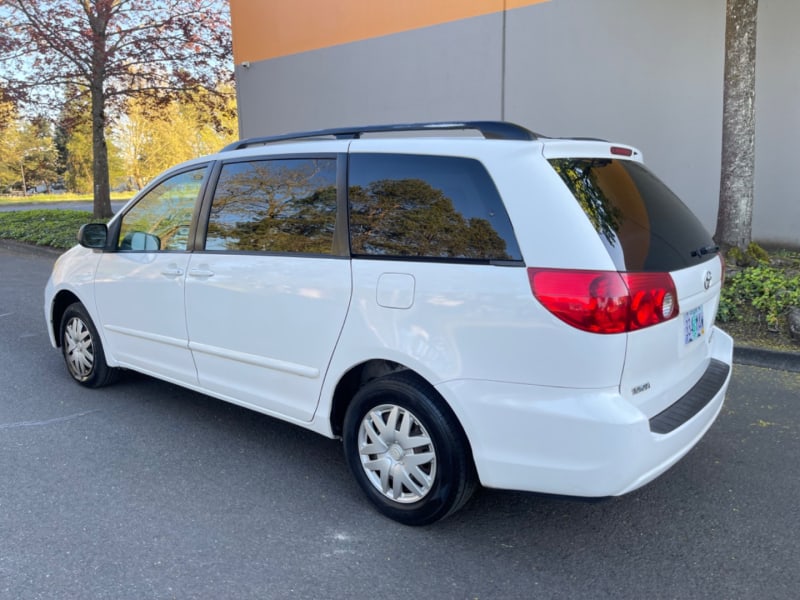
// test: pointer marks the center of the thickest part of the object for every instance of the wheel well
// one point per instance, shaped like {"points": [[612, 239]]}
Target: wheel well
{"points": [[60, 304], [352, 380], [359, 375]]}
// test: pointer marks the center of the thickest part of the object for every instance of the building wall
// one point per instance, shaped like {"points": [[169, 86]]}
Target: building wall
{"points": [[648, 73], [776, 209]]}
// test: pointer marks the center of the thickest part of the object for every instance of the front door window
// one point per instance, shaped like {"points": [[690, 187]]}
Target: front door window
{"points": [[161, 219]]}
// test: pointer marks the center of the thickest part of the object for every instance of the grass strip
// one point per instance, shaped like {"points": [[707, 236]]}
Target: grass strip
{"points": [[44, 227]]}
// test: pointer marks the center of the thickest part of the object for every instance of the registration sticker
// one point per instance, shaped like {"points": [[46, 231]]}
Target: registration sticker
{"points": [[693, 327]]}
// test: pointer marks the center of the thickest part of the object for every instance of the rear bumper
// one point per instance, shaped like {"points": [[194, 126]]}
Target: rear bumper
{"points": [[582, 442]]}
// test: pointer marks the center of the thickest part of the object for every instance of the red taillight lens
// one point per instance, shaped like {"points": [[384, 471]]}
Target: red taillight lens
{"points": [[605, 301], [653, 298]]}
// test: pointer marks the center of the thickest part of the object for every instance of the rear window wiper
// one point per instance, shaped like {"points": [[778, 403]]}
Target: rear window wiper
{"points": [[705, 250]]}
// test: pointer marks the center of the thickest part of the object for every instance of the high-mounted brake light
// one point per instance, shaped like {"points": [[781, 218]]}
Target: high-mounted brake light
{"points": [[605, 301], [620, 151]]}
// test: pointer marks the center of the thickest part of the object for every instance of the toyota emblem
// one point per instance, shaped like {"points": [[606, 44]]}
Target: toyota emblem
{"points": [[708, 279]]}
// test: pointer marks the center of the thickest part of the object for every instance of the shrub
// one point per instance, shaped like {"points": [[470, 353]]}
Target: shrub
{"points": [[761, 292], [56, 228]]}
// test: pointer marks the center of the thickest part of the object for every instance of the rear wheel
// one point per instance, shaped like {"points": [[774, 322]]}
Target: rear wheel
{"points": [[407, 451], [83, 350]]}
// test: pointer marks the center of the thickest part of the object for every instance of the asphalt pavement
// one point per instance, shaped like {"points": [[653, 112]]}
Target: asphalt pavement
{"points": [[146, 490]]}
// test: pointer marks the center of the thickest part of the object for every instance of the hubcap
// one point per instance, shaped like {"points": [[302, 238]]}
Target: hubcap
{"points": [[397, 453], [78, 349]]}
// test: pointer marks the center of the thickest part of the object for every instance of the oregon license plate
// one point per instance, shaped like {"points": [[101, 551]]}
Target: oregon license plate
{"points": [[693, 327]]}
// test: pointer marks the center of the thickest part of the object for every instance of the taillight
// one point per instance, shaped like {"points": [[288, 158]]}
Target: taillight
{"points": [[605, 301]]}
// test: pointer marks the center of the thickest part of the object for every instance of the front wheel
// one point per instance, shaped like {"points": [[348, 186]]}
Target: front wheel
{"points": [[407, 451], [83, 350]]}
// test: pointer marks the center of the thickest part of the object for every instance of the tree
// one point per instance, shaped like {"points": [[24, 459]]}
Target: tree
{"points": [[735, 213], [154, 137], [7, 109], [112, 49], [8, 122], [28, 156]]}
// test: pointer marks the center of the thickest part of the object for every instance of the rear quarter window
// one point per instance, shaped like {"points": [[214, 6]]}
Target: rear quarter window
{"points": [[643, 224], [427, 207]]}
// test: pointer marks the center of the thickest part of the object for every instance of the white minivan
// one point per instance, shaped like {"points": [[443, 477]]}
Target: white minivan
{"points": [[499, 309]]}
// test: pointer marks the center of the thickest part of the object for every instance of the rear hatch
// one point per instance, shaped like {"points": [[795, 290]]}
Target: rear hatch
{"points": [[647, 229]]}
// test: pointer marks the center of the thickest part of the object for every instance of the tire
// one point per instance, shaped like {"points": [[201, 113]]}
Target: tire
{"points": [[407, 451], [83, 350]]}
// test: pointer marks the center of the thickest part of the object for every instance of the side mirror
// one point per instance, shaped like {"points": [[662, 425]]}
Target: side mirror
{"points": [[93, 235]]}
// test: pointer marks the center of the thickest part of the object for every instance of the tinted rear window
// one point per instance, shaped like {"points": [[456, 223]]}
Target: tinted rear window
{"points": [[643, 224], [427, 207]]}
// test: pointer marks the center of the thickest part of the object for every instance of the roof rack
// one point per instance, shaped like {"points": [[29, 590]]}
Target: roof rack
{"points": [[492, 130], [584, 139]]}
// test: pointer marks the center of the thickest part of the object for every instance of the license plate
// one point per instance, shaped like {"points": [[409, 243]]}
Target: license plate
{"points": [[693, 327]]}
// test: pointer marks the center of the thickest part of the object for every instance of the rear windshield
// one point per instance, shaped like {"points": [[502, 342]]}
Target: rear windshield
{"points": [[644, 226]]}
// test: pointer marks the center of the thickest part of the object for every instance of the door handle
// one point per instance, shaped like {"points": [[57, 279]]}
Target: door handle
{"points": [[201, 273], [172, 271]]}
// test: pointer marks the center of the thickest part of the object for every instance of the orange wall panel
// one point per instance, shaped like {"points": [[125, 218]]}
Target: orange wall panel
{"points": [[264, 29]]}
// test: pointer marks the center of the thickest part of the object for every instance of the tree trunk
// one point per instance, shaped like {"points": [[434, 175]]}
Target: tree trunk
{"points": [[24, 183], [735, 213], [102, 188]]}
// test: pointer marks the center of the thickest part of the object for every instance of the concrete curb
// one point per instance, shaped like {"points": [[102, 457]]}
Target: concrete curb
{"points": [[771, 359]]}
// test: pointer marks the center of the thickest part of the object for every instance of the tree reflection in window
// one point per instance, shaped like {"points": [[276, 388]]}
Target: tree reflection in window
{"points": [[165, 212], [408, 217], [420, 206], [282, 205], [582, 177]]}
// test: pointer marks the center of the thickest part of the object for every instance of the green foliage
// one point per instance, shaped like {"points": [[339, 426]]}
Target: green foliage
{"points": [[735, 256], [28, 155], [56, 228], [78, 177], [763, 293], [757, 253], [45, 198], [754, 255], [153, 135]]}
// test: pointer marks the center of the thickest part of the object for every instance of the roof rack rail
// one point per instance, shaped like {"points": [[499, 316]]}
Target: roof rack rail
{"points": [[584, 139], [493, 130]]}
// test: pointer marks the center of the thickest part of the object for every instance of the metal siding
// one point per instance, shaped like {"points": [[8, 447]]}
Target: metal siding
{"points": [[446, 72], [776, 209]]}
